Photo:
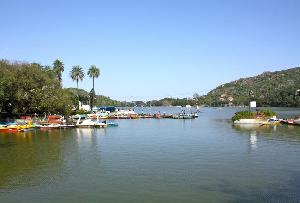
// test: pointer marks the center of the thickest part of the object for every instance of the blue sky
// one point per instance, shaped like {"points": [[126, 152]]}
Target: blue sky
{"points": [[153, 49]]}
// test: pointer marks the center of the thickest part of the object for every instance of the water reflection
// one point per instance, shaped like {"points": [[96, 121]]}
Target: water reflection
{"points": [[253, 131], [89, 141], [278, 133], [259, 128], [253, 139], [24, 157]]}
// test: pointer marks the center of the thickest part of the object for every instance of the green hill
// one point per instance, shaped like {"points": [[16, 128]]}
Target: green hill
{"points": [[99, 101], [268, 89]]}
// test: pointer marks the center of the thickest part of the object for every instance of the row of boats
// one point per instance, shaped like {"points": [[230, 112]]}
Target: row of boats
{"points": [[95, 120], [130, 114], [55, 122]]}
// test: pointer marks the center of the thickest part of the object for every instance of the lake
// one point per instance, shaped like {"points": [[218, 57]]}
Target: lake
{"points": [[155, 160]]}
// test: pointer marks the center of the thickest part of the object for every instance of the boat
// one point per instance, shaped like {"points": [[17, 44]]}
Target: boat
{"points": [[89, 123], [67, 126], [157, 115], [288, 122], [146, 116], [11, 129], [167, 116], [195, 115], [56, 119], [297, 121], [110, 124], [49, 126], [124, 114], [183, 116], [102, 115]]}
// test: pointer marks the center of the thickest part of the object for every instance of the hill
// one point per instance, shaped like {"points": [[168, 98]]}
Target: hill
{"points": [[99, 101], [268, 89]]}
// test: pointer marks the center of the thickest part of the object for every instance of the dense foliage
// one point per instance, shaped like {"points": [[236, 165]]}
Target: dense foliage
{"points": [[267, 113], [268, 89], [30, 88], [172, 102], [243, 115]]}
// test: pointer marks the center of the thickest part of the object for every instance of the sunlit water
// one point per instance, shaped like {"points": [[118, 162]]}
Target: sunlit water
{"points": [[154, 160]]}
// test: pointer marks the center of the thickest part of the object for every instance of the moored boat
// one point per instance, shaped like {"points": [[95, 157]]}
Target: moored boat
{"points": [[67, 126], [184, 116], [49, 126], [110, 124], [89, 123], [289, 122]]}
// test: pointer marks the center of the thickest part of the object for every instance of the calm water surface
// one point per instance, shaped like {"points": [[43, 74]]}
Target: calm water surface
{"points": [[149, 160]]}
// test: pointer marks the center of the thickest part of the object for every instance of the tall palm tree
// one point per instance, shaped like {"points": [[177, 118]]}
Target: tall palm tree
{"points": [[77, 74], [93, 72], [58, 68]]}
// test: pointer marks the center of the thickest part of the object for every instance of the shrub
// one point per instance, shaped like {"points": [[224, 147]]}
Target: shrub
{"points": [[243, 115], [267, 113]]}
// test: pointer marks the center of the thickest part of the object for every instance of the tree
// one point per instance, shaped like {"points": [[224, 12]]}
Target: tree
{"points": [[58, 68], [93, 72], [77, 74], [30, 88]]}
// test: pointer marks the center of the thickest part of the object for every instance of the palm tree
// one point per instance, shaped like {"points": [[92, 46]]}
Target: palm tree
{"points": [[93, 72], [77, 74], [58, 68]]}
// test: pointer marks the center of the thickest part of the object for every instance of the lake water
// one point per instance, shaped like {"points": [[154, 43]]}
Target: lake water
{"points": [[154, 160]]}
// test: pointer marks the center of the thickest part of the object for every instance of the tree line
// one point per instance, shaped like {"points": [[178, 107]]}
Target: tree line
{"points": [[33, 88]]}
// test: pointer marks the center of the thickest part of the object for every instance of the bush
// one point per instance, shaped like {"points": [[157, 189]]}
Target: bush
{"points": [[243, 115], [267, 113]]}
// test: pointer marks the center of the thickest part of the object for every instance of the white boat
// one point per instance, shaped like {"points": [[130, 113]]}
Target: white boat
{"points": [[102, 115], [297, 121], [188, 106], [89, 123], [67, 126], [124, 114], [50, 126]]}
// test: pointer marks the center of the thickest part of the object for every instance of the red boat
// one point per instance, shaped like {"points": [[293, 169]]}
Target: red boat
{"points": [[288, 122], [55, 119]]}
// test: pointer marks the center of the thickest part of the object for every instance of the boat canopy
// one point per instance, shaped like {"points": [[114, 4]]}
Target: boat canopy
{"points": [[105, 108]]}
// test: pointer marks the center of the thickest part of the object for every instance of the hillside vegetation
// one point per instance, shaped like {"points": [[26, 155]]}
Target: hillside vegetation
{"points": [[268, 89], [100, 100]]}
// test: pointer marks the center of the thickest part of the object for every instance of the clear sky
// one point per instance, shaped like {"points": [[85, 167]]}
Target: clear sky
{"points": [[156, 48]]}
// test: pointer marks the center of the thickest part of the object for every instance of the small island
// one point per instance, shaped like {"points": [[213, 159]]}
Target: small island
{"points": [[260, 117]]}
